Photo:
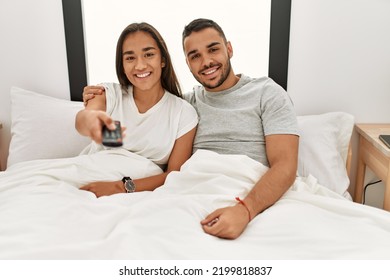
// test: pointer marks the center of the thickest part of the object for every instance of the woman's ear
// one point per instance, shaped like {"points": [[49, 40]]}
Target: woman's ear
{"points": [[163, 63]]}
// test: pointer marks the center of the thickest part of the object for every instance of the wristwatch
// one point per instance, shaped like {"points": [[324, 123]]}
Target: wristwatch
{"points": [[128, 184]]}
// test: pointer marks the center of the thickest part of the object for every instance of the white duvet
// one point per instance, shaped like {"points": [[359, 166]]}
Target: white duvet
{"points": [[43, 214]]}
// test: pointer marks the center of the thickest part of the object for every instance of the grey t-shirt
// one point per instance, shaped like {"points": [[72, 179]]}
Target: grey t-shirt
{"points": [[236, 120]]}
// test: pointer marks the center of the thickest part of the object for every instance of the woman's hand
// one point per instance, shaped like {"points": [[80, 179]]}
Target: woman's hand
{"points": [[105, 188], [90, 123]]}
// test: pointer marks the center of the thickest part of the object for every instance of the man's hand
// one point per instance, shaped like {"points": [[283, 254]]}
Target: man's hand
{"points": [[228, 222], [90, 92], [104, 188]]}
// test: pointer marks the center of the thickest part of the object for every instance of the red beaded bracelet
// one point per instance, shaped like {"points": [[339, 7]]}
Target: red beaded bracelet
{"points": [[246, 207]]}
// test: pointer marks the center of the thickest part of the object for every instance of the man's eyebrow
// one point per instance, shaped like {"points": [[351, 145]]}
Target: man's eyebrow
{"points": [[192, 52], [208, 46], [213, 44]]}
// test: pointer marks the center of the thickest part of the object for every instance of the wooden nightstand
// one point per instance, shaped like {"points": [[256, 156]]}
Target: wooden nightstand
{"points": [[374, 154]]}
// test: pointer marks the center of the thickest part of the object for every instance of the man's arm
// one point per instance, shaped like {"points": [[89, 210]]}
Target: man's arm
{"points": [[181, 152], [282, 153]]}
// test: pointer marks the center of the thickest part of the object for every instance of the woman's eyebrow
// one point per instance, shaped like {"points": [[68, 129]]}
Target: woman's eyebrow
{"points": [[148, 49], [144, 50]]}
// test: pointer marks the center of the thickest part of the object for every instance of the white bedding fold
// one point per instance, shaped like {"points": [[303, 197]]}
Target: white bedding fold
{"points": [[43, 215]]}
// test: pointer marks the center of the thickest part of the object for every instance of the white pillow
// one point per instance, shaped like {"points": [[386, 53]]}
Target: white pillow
{"points": [[43, 127], [323, 149]]}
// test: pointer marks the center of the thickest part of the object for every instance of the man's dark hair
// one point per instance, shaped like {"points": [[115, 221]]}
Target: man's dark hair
{"points": [[199, 24]]}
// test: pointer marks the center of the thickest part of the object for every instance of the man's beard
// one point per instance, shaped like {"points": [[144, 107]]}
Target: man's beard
{"points": [[223, 78]]}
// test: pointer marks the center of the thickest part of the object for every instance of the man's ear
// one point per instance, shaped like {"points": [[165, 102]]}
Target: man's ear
{"points": [[229, 49]]}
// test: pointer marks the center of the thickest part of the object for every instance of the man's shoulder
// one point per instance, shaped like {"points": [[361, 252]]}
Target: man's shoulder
{"points": [[264, 80], [250, 83], [266, 85]]}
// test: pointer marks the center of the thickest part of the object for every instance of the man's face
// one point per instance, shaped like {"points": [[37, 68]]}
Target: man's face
{"points": [[208, 57]]}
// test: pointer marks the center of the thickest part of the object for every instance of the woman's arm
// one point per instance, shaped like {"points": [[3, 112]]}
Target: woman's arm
{"points": [[90, 121], [181, 152]]}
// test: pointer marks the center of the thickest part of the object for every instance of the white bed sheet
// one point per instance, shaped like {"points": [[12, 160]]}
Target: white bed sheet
{"points": [[43, 214]]}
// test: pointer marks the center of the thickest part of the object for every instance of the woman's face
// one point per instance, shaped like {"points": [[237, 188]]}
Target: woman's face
{"points": [[142, 61]]}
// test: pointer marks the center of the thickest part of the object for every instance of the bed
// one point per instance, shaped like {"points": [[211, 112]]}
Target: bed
{"points": [[44, 215]]}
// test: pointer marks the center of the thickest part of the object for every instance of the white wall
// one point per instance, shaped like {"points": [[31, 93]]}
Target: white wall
{"points": [[339, 55], [101, 38], [32, 54], [340, 61]]}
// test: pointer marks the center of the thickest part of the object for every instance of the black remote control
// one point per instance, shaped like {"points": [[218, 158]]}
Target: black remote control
{"points": [[113, 138]]}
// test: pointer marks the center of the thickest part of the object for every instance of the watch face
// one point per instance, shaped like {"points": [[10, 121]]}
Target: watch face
{"points": [[129, 185]]}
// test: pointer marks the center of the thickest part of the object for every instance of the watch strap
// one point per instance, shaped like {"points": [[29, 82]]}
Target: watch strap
{"points": [[124, 179], [128, 184]]}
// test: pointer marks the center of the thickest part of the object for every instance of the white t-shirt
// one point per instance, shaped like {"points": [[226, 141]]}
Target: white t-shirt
{"points": [[151, 134]]}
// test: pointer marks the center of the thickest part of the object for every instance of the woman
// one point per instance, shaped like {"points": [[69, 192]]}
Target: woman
{"points": [[160, 125]]}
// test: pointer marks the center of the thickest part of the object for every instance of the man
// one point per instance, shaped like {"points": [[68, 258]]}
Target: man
{"points": [[239, 115]]}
